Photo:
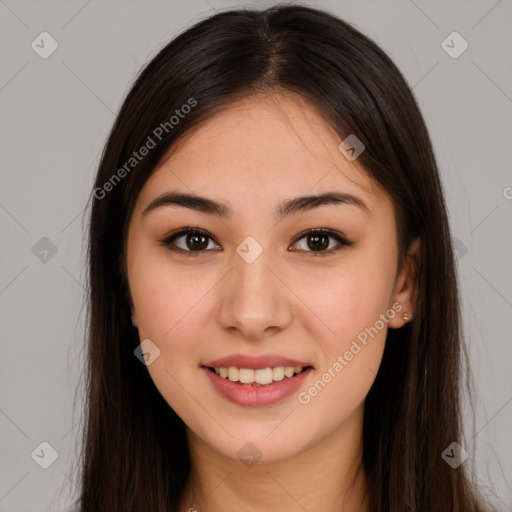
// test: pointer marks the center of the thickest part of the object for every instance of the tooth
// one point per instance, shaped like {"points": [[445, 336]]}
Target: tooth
{"points": [[233, 374], [288, 371], [260, 376], [278, 373], [263, 376], [246, 376]]}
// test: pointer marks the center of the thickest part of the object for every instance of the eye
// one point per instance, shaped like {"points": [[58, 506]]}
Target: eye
{"points": [[191, 240], [196, 241], [319, 241]]}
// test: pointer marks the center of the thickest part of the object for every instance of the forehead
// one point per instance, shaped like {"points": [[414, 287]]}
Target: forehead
{"points": [[259, 150]]}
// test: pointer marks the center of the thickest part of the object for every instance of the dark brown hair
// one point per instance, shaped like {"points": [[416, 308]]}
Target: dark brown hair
{"points": [[135, 454]]}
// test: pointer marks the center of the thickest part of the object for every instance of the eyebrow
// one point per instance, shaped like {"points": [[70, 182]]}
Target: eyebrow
{"points": [[286, 208]]}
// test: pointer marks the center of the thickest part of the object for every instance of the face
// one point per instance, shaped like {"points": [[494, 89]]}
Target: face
{"points": [[252, 291]]}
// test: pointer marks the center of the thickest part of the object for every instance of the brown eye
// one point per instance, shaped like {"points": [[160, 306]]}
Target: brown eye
{"points": [[189, 240], [319, 241], [196, 241]]}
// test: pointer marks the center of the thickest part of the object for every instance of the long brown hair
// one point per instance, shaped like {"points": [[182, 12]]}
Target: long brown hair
{"points": [[134, 453]]}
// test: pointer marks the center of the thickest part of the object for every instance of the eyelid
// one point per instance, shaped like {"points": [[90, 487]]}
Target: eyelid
{"points": [[168, 239], [339, 237], [328, 231]]}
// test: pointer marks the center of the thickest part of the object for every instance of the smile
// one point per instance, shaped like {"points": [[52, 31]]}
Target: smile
{"points": [[256, 387], [257, 377]]}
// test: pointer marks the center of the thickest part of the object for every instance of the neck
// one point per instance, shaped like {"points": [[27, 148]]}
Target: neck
{"points": [[327, 476]]}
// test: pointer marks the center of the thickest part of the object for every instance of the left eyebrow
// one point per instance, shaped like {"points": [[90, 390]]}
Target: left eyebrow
{"points": [[286, 208]]}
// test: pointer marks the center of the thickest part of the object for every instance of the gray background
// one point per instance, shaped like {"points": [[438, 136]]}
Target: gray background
{"points": [[56, 114]]}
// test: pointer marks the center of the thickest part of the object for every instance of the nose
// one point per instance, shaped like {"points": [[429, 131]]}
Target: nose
{"points": [[255, 301]]}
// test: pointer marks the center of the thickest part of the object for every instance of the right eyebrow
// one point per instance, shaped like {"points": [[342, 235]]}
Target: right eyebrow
{"points": [[286, 208]]}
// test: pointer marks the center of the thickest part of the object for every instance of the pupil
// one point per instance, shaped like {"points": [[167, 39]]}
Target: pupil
{"points": [[318, 242], [193, 243]]}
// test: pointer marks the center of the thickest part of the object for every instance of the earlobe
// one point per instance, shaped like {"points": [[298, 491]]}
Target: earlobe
{"points": [[406, 287]]}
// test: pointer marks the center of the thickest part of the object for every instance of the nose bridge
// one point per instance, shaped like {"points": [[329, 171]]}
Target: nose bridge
{"points": [[253, 298], [253, 279], [251, 266]]}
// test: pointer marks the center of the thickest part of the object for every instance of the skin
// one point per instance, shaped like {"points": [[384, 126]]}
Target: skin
{"points": [[296, 303]]}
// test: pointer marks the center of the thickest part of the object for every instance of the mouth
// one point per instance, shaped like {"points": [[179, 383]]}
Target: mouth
{"points": [[250, 377]]}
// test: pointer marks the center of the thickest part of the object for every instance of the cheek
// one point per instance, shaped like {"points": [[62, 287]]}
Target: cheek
{"points": [[351, 348], [350, 300], [168, 302], [347, 299], [170, 313]]}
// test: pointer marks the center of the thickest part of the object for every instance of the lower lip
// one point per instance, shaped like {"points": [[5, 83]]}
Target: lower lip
{"points": [[253, 396]]}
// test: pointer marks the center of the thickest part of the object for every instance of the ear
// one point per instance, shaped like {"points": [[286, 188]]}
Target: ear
{"points": [[405, 290]]}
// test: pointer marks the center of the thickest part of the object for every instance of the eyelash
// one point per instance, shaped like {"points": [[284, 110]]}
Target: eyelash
{"points": [[342, 241]]}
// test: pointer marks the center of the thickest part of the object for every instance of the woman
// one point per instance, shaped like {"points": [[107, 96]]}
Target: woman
{"points": [[274, 316]]}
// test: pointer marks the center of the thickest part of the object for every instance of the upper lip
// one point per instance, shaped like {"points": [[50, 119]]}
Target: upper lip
{"points": [[255, 362]]}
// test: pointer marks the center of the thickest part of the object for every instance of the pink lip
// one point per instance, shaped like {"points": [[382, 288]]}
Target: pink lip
{"points": [[255, 362], [252, 396]]}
